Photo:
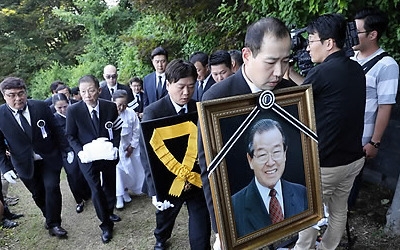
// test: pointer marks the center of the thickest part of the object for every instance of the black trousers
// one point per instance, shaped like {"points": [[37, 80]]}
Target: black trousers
{"points": [[199, 220], [76, 181], [103, 191], [45, 189]]}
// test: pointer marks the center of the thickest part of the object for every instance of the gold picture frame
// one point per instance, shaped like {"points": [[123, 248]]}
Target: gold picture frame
{"points": [[219, 121]]}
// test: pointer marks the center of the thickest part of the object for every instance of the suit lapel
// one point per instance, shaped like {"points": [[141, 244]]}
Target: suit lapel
{"points": [[88, 119], [288, 199], [9, 116], [192, 106], [258, 214], [240, 88]]}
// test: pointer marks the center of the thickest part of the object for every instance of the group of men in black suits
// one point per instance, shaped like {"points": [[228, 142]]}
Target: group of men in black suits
{"points": [[36, 142], [266, 59]]}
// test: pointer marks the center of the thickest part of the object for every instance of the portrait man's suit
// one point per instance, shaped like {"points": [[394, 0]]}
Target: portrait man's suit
{"points": [[209, 83], [231, 86], [41, 177], [150, 89], [199, 218], [105, 91], [250, 212], [80, 131]]}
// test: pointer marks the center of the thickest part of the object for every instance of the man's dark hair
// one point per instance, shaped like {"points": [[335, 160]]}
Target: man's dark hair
{"points": [[220, 57], [119, 93], [199, 57], [261, 126], [135, 79], [159, 51], [265, 26], [54, 85], [58, 97], [178, 69], [374, 19], [12, 83], [89, 79], [329, 26], [236, 55], [61, 87], [75, 91]]}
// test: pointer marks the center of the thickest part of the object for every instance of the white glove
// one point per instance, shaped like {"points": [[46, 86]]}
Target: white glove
{"points": [[115, 153], [217, 243], [70, 157], [83, 156], [323, 221], [10, 176], [161, 205]]}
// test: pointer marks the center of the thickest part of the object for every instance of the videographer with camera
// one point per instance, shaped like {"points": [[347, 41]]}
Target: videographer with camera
{"points": [[339, 99]]}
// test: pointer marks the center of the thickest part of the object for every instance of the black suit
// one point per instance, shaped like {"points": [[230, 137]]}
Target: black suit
{"points": [[150, 89], [80, 131], [199, 218], [105, 92], [209, 83], [76, 181], [41, 177], [139, 108], [231, 86], [250, 211]]}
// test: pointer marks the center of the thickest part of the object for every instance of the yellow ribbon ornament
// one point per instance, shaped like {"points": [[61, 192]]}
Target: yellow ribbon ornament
{"points": [[183, 171]]}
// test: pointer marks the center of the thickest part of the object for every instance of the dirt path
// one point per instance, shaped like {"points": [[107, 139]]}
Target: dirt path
{"points": [[135, 231]]}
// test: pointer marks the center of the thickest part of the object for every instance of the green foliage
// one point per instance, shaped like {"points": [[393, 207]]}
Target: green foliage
{"points": [[32, 38], [43, 41]]}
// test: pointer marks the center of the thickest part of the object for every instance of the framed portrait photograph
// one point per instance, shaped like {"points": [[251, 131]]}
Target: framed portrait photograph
{"points": [[262, 156]]}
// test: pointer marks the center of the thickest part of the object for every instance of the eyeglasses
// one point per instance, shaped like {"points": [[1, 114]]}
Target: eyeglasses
{"points": [[114, 76], [309, 42], [14, 95], [361, 32], [264, 156]]}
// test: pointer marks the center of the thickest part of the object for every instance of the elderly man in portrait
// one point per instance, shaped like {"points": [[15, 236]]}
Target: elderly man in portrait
{"points": [[268, 199]]}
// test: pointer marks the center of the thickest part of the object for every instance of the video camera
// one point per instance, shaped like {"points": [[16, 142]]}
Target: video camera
{"points": [[299, 53], [301, 56]]}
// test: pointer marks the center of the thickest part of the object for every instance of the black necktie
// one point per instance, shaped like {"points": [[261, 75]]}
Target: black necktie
{"points": [[95, 121], [112, 92], [25, 124], [182, 111], [138, 97], [200, 91], [159, 87]]}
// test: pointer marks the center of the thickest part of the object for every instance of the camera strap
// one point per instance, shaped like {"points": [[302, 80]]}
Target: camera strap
{"points": [[367, 66]]}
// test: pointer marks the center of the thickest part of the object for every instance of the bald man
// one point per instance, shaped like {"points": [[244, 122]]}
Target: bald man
{"points": [[110, 85]]}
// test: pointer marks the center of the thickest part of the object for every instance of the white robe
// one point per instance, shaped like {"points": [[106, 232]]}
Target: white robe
{"points": [[130, 173]]}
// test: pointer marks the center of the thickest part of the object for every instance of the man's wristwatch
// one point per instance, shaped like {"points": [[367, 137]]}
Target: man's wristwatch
{"points": [[375, 144]]}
